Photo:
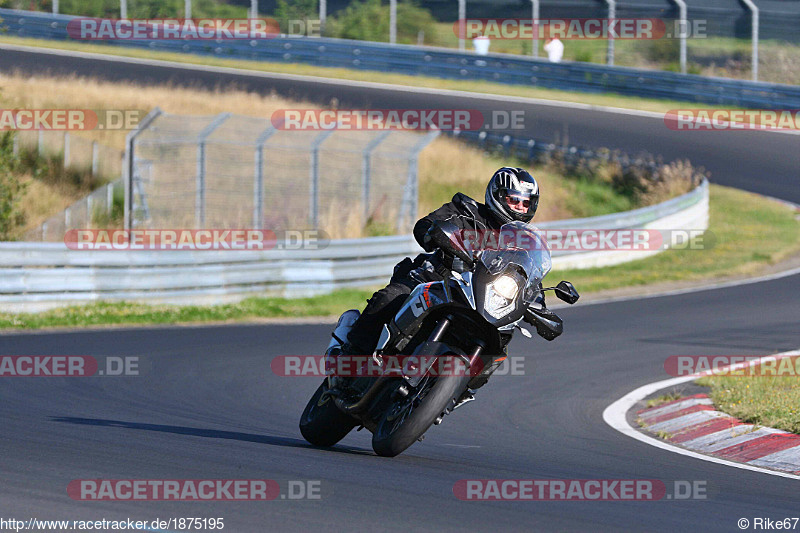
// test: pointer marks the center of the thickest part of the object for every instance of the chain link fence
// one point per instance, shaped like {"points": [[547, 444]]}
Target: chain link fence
{"points": [[77, 155], [230, 171]]}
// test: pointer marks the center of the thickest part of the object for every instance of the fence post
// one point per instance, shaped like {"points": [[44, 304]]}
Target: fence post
{"points": [[612, 13], [366, 170], [89, 213], [128, 163], [200, 190], [411, 196], [314, 185], [754, 10], [123, 9], [40, 142], [683, 31], [253, 9], [110, 198], [55, 7], [95, 158], [462, 23], [535, 36], [323, 14], [187, 9], [258, 178], [66, 150], [15, 144], [392, 21]]}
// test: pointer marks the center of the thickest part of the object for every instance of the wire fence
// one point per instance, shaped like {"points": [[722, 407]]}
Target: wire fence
{"points": [[230, 171], [78, 156]]}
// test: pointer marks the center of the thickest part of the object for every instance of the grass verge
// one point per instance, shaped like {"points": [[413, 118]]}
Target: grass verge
{"points": [[740, 221], [746, 233], [761, 400], [484, 87]]}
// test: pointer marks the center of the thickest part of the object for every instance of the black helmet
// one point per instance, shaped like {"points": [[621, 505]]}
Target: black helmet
{"points": [[509, 187]]}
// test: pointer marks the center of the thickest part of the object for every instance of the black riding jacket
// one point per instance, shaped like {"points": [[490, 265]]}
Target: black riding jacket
{"points": [[465, 213]]}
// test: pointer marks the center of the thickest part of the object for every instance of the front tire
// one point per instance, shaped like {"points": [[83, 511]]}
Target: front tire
{"points": [[322, 423], [409, 418]]}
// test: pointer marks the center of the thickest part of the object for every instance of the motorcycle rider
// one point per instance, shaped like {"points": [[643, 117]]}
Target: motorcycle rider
{"points": [[511, 194]]}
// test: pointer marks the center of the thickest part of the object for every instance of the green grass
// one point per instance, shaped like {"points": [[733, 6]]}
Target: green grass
{"points": [[740, 220], [746, 233], [765, 401], [107, 313], [484, 87]]}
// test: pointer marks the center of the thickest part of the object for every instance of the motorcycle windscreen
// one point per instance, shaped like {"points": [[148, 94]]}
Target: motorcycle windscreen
{"points": [[519, 244]]}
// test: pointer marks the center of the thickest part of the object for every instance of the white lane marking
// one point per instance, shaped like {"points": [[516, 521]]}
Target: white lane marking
{"points": [[354, 83], [678, 406], [615, 415]]}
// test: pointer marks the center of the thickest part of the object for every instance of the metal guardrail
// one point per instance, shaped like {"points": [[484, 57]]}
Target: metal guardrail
{"points": [[445, 63], [37, 276]]}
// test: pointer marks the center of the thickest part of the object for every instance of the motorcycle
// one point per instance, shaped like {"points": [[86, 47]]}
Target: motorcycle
{"points": [[464, 321]]}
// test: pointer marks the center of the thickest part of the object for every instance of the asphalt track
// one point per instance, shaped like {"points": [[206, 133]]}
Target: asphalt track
{"points": [[207, 406]]}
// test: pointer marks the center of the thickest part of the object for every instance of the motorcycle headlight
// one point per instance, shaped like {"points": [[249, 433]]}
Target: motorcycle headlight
{"points": [[506, 287], [500, 296]]}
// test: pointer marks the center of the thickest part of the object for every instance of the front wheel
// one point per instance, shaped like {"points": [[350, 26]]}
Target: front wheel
{"points": [[409, 418], [322, 423]]}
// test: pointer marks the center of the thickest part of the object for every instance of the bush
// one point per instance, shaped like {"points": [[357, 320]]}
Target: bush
{"points": [[304, 10], [645, 180], [368, 20], [663, 50], [11, 188]]}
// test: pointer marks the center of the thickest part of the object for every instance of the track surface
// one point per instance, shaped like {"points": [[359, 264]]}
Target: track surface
{"points": [[208, 406]]}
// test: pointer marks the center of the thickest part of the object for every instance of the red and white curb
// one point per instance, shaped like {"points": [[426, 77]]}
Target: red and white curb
{"points": [[694, 428], [694, 424]]}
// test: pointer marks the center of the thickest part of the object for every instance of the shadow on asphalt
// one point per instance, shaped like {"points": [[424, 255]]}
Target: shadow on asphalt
{"points": [[270, 440]]}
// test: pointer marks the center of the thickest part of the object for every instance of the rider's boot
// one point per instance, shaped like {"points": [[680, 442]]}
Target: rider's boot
{"points": [[479, 381]]}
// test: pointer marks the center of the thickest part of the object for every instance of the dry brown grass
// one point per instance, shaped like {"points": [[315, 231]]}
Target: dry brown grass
{"points": [[42, 200], [42, 92], [448, 166]]}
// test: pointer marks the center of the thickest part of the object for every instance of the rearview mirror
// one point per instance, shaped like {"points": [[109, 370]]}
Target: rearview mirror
{"points": [[567, 293]]}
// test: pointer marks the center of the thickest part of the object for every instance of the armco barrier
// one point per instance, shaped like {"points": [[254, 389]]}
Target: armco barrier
{"points": [[445, 63], [37, 276]]}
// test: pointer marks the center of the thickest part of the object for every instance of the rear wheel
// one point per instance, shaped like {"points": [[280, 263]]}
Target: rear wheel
{"points": [[322, 423], [410, 417]]}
